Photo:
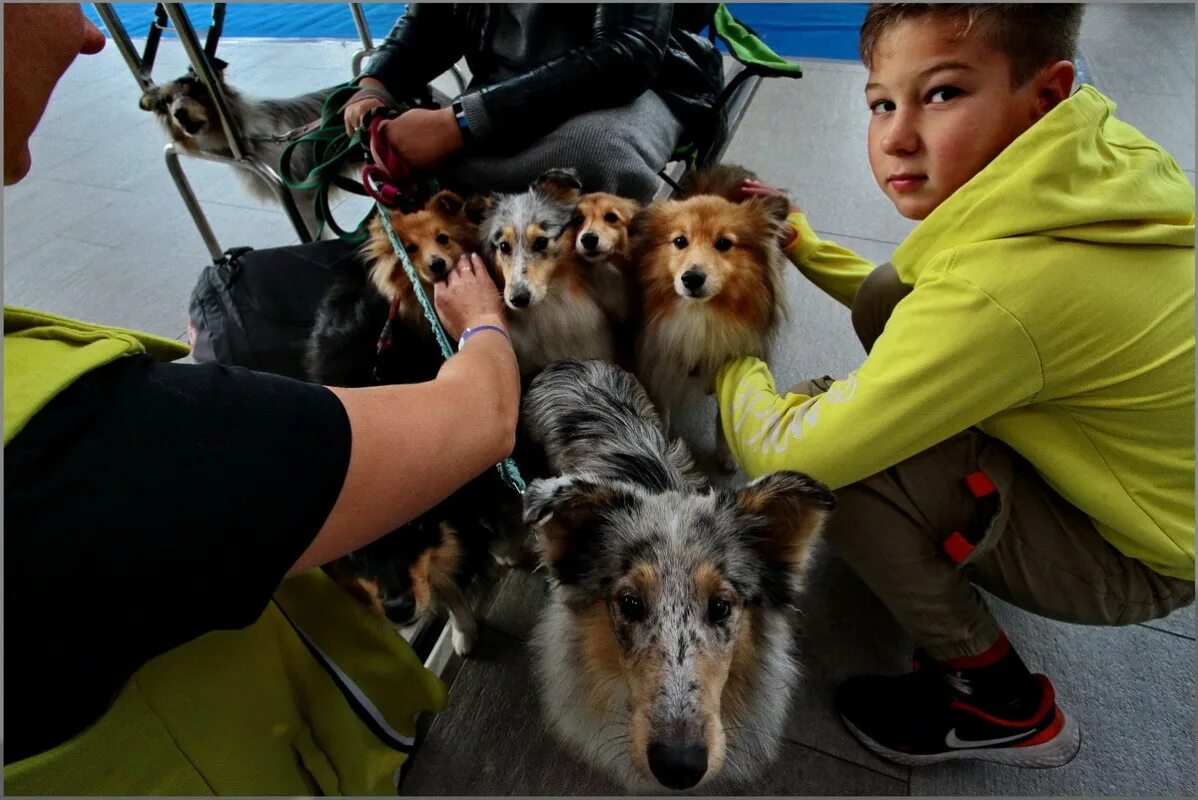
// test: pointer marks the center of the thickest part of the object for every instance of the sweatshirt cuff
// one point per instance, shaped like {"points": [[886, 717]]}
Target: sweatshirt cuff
{"points": [[476, 115], [806, 241]]}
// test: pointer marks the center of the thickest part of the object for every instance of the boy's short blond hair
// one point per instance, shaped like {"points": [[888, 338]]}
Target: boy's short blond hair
{"points": [[1031, 35]]}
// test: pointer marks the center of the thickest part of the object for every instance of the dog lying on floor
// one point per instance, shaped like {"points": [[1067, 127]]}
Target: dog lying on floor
{"points": [[668, 630]]}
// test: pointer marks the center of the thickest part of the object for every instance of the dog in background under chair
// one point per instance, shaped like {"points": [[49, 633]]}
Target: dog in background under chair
{"points": [[187, 112]]}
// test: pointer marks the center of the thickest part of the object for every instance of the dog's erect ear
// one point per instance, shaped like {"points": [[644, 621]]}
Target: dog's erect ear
{"points": [[566, 513], [793, 508], [560, 184], [219, 65], [777, 207], [151, 99], [630, 207], [447, 202], [477, 207]]}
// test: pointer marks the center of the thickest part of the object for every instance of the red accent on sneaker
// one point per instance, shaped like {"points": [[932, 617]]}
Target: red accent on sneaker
{"points": [[1047, 700], [979, 484], [957, 547], [1048, 734], [992, 654]]}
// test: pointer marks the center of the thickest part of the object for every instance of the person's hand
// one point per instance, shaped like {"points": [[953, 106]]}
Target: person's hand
{"points": [[354, 112], [468, 297], [751, 188], [423, 137]]}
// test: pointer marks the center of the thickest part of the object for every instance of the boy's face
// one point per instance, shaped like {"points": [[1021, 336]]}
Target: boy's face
{"points": [[941, 108]]}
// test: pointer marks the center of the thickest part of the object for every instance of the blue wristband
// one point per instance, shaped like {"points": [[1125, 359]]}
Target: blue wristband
{"points": [[466, 334]]}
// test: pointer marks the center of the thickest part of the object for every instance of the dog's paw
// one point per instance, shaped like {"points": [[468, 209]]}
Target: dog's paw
{"points": [[464, 640]]}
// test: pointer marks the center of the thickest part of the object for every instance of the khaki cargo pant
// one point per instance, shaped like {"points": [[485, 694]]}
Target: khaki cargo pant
{"points": [[1037, 551]]}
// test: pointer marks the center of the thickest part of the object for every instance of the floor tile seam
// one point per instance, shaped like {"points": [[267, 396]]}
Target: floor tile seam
{"points": [[848, 761]]}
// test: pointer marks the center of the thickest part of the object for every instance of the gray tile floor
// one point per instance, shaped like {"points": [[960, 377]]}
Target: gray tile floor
{"points": [[98, 232]]}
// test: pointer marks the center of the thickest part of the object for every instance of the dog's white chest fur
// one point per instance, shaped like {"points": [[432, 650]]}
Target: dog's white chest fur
{"points": [[678, 356], [560, 327]]}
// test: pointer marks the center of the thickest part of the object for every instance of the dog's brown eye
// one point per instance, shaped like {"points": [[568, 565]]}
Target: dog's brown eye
{"points": [[723, 244], [540, 243], [610, 218], [576, 219], [410, 248], [442, 239], [680, 242], [718, 610], [632, 607], [505, 248]]}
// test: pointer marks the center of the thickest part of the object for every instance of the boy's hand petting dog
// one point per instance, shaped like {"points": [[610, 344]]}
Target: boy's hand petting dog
{"points": [[468, 297], [751, 188], [423, 137]]}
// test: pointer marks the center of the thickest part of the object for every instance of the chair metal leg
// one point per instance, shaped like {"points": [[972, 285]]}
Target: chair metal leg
{"points": [[171, 154]]}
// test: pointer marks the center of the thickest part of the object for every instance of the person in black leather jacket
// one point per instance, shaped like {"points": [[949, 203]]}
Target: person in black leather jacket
{"points": [[609, 89]]}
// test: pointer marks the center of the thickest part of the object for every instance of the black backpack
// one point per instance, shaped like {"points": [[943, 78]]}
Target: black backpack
{"points": [[256, 308]]}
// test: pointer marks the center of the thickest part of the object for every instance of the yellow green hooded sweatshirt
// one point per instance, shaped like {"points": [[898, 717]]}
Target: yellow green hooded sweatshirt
{"points": [[1052, 308]]}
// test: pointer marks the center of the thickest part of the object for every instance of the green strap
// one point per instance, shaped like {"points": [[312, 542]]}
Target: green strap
{"points": [[749, 49], [331, 148]]}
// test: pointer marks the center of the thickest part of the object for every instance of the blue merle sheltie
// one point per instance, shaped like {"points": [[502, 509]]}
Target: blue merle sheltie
{"points": [[664, 655]]}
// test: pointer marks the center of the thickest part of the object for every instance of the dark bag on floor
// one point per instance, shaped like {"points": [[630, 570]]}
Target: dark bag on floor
{"points": [[255, 308]]}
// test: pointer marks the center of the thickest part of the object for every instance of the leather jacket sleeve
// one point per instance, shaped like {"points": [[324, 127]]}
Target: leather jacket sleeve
{"points": [[426, 41], [615, 67]]}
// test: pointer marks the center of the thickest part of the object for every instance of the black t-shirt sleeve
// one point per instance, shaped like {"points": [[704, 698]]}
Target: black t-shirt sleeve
{"points": [[146, 505]]}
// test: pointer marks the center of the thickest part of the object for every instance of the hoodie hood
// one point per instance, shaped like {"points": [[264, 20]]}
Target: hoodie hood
{"points": [[1078, 173]]}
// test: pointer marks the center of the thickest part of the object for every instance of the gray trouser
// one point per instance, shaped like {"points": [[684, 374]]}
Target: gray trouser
{"points": [[618, 150], [1036, 550]]}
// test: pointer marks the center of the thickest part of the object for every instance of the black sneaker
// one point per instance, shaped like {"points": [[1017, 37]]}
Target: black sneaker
{"points": [[932, 715]]}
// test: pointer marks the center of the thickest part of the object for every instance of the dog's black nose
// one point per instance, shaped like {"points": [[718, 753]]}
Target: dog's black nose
{"points": [[437, 265], [400, 609], [188, 124], [693, 279], [678, 766], [590, 240], [520, 299]]}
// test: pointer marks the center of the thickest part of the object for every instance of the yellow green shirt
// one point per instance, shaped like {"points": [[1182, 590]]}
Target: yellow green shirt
{"points": [[1052, 308]]}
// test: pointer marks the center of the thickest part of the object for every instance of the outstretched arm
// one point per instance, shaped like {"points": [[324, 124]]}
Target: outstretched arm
{"points": [[413, 445]]}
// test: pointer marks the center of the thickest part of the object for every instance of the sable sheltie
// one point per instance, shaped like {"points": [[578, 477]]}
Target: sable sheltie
{"points": [[709, 273], [530, 239], [664, 655], [602, 221], [429, 562], [188, 114]]}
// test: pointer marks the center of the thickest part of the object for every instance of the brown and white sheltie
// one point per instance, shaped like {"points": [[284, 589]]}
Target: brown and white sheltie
{"points": [[709, 271]]}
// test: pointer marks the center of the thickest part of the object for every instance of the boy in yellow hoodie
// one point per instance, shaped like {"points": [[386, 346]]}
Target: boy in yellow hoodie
{"points": [[1024, 418]]}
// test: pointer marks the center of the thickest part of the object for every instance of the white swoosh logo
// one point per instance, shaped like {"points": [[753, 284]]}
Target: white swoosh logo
{"points": [[951, 740]]}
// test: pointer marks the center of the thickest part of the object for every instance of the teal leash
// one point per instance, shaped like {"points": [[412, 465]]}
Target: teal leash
{"points": [[507, 468]]}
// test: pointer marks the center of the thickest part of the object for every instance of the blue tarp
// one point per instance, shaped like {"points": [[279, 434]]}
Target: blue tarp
{"points": [[801, 30]]}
